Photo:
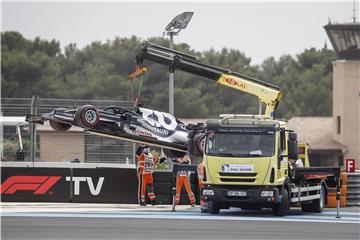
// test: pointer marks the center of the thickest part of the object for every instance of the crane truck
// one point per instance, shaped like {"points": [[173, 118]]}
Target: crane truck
{"points": [[249, 161]]}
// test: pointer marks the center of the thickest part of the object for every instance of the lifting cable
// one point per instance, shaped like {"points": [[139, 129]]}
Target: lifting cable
{"points": [[138, 72]]}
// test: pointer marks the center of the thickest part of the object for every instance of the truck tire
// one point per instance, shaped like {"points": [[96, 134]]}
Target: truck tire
{"points": [[203, 210], [307, 207], [59, 126], [87, 117], [319, 204], [281, 209], [213, 207]]}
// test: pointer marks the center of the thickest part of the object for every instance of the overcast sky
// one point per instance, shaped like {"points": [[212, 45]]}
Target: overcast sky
{"points": [[258, 29]]}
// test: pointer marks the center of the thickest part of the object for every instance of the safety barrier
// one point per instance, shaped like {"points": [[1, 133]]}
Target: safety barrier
{"points": [[83, 185], [331, 198]]}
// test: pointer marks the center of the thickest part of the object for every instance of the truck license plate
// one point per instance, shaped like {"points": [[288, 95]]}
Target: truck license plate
{"points": [[237, 193]]}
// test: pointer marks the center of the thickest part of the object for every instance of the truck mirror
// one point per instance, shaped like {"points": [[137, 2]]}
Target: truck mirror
{"points": [[292, 149], [293, 136], [282, 139]]}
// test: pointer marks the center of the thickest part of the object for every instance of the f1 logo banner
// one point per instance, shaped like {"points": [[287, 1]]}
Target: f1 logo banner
{"points": [[38, 184], [34, 184], [91, 185]]}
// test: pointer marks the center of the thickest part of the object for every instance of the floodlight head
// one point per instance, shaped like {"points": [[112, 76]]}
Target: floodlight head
{"points": [[179, 22]]}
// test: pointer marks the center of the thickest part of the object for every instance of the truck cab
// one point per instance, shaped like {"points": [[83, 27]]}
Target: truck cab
{"points": [[245, 161]]}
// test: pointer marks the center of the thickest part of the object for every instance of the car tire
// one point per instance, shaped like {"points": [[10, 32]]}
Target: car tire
{"points": [[281, 208], [319, 204], [59, 126], [87, 117], [213, 207]]}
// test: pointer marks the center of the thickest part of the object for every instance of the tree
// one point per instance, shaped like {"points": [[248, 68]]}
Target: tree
{"points": [[100, 71]]}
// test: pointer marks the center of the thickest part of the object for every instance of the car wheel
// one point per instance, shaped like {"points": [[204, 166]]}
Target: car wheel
{"points": [[200, 143], [59, 126], [281, 208], [87, 117]]}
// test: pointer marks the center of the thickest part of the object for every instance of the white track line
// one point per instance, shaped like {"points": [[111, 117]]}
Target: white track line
{"points": [[137, 215]]}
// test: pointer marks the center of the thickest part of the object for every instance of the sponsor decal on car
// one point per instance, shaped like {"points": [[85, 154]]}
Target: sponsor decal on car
{"points": [[142, 133], [162, 130]]}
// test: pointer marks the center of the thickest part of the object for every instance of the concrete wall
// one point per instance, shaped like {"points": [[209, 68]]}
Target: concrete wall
{"points": [[346, 105], [61, 146]]}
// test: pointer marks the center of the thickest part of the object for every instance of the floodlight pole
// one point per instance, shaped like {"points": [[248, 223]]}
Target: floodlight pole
{"points": [[171, 78], [173, 28]]}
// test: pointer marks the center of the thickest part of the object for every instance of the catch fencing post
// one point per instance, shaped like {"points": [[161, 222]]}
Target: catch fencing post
{"points": [[133, 153], [33, 111], [338, 186]]}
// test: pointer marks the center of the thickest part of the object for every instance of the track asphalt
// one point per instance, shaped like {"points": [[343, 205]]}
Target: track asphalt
{"points": [[123, 221]]}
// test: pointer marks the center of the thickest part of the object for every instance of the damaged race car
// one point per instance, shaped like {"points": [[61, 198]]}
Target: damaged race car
{"points": [[143, 125]]}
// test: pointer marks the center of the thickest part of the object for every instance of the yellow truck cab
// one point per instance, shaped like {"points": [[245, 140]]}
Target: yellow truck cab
{"points": [[246, 161]]}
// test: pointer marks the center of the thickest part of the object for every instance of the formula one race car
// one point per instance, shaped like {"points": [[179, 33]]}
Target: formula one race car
{"points": [[143, 125]]}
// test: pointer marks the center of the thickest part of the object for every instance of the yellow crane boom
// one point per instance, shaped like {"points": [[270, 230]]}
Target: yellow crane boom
{"points": [[266, 93]]}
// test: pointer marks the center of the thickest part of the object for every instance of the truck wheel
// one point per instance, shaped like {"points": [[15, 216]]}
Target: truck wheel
{"points": [[59, 126], [87, 117], [307, 207], [281, 209], [319, 204], [213, 207], [203, 210]]}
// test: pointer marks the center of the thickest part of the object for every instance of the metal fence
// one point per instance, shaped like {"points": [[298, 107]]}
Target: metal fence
{"points": [[74, 145]]}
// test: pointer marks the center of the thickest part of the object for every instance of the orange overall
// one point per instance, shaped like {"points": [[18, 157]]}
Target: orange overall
{"points": [[145, 169], [182, 179]]}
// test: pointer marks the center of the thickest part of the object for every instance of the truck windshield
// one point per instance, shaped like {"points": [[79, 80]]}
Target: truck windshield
{"points": [[241, 144]]}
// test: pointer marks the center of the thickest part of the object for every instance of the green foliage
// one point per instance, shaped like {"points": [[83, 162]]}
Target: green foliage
{"points": [[161, 166], [10, 146], [100, 71]]}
